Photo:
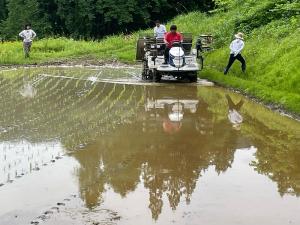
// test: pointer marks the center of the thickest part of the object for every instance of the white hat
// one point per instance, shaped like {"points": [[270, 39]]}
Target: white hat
{"points": [[239, 36]]}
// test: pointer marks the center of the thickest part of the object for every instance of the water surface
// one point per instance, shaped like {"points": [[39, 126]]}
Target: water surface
{"points": [[98, 146]]}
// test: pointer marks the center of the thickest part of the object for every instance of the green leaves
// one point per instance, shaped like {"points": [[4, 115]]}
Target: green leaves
{"points": [[3, 10], [21, 12], [89, 19]]}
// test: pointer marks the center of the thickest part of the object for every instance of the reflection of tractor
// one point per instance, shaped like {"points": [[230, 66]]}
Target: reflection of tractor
{"points": [[175, 107], [171, 106], [184, 62]]}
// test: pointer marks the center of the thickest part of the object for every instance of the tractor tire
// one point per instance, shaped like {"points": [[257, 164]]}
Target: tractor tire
{"points": [[150, 75], [145, 71], [193, 77], [156, 76]]}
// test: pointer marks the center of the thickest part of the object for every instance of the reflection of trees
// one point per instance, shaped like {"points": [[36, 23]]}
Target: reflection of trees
{"points": [[282, 166], [98, 118], [90, 177], [278, 157], [119, 145], [276, 138], [172, 172], [169, 165]]}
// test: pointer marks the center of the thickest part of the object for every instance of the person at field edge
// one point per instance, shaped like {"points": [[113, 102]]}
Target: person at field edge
{"points": [[28, 35], [236, 48], [170, 38], [159, 30]]}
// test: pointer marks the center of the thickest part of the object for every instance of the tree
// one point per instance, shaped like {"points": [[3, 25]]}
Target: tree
{"points": [[91, 18], [30, 13], [77, 17], [3, 10]]}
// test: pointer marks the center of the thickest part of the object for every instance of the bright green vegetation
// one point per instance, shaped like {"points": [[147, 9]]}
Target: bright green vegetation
{"points": [[272, 48], [53, 50]]}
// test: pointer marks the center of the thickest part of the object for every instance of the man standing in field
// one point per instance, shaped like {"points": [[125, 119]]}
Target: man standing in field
{"points": [[236, 48], [170, 38], [159, 30], [28, 35]]}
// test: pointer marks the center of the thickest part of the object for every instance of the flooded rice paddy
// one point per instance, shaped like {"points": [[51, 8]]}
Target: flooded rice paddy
{"points": [[97, 146]]}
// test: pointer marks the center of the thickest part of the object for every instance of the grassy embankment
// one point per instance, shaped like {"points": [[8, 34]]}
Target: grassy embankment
{"points": [[272, 50]]}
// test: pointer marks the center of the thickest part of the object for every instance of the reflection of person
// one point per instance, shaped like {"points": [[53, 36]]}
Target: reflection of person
{"points": [[28, 90], [159, 30], [170, 38], [172, 123], [236, 48], [233, 112], [28, 35]]}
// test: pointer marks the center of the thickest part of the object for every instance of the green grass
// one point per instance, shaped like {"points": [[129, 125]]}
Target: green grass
{"points": [[52, 50], [272, 50]]}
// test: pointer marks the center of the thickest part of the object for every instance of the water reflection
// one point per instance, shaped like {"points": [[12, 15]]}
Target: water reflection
{"points": [[163, 137], [167, 154], [28, 90], [21, 158], [234, 115]]}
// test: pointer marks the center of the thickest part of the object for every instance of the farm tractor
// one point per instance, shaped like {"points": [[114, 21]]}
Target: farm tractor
{"points": [[184, 61]]}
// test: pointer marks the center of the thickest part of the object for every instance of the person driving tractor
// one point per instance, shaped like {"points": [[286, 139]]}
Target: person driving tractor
{"points": [[170, 38]]}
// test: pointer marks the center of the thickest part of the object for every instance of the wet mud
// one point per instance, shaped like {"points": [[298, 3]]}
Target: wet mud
{"points": [[100, 146]]}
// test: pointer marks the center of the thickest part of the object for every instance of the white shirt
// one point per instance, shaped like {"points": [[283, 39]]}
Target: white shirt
{"points": [[27, 35], [159, 32], [234, 117], [236, 46]]}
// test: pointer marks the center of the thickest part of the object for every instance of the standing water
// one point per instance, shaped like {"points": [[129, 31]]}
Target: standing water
{"points": [[97, 146]]}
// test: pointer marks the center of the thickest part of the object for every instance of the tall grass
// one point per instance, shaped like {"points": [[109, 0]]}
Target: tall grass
{"points": [[57, 49]]}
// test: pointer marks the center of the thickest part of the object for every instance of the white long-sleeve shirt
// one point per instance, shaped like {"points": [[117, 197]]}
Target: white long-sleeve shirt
{"points": [[27, 35], [159, 32], [236, 46]]}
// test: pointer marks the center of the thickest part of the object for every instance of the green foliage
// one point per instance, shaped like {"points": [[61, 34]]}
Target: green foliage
{"points": [[90, 19], [3, 12], [76, 17], [58, 49], [21, 12]]}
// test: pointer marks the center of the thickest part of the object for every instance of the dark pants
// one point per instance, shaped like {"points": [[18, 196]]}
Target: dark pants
{"points": [[232, 58], [167, 51], [27, 48]]}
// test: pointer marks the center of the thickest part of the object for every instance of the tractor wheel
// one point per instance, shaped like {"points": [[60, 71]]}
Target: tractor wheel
{"points": [[145, 71], [150, 75], [156, 76], [193, 77]]}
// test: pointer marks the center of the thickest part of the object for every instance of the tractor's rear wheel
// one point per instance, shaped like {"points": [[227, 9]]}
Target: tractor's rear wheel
{"points": [[145, 71], [156, 76]]}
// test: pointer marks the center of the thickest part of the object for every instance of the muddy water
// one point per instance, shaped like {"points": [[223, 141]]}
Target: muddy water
{"points": [[98, 146]]}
